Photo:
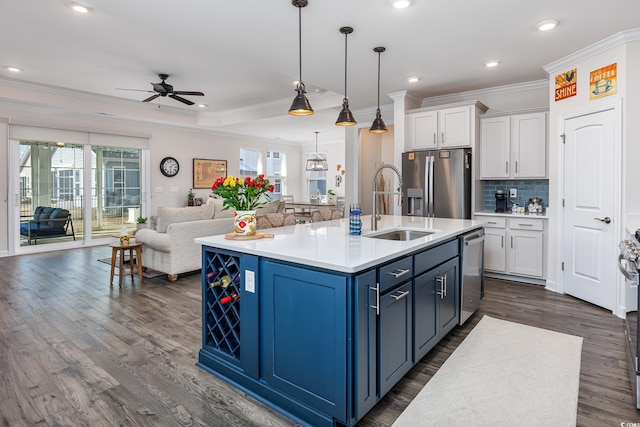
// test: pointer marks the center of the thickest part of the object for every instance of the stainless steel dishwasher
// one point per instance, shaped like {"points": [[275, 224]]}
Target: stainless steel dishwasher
{"points": [[472, 273]]}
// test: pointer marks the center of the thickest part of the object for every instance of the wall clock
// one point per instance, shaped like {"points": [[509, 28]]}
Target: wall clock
{"points": [[169, 166]]}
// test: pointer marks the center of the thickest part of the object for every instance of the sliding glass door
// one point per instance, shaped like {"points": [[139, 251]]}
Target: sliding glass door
{"points": [[75, 192]]}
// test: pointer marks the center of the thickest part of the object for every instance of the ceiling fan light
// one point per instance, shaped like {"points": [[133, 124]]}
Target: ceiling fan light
{"points": [[378, 125], [345, 118], [301, 105]]}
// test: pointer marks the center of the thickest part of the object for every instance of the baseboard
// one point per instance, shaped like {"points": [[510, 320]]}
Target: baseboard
{"points": [[4, 254], [521, 279]]}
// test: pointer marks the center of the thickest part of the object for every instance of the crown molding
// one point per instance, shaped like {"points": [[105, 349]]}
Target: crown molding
{"points": [[479, 93], [615, 40]]}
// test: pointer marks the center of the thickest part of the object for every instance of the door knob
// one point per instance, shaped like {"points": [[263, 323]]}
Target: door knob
{"points": [[606, 220]]}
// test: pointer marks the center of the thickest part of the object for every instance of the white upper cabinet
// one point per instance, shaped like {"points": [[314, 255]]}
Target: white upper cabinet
{"points": [[445, 127], [514, 147], [494, 147]]}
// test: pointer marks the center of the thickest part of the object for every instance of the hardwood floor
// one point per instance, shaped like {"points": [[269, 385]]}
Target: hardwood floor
{"points": [[76, 351]]}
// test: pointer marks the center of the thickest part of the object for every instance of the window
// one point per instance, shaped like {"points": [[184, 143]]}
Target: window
{"points": [[276, 173], [250, 162], [316, 181]]}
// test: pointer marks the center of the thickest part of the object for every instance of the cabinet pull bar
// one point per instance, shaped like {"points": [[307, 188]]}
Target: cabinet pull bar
{"points": [[516, 166], [398, 273], [435, 139], [506, 167], [440, 281], [400, 295], [445, 285], [502, 242], [511, 242], [377, 306], [525, 225], [491, 222]]}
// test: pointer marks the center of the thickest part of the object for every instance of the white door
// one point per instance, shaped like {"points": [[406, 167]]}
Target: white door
{"points": [[589, 251]]}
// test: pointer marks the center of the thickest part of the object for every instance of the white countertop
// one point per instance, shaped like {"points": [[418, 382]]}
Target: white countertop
{"points": [[508, 214], [329, 245]]}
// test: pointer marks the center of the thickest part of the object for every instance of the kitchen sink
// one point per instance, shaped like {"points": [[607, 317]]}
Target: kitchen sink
{"points": [[402, 234]]}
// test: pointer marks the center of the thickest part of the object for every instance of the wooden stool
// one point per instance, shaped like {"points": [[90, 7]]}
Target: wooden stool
{"points": [[118, 253]]}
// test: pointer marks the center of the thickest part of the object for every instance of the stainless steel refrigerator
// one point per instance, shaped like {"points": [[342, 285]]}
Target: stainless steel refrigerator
{"points": [[437, 183]]}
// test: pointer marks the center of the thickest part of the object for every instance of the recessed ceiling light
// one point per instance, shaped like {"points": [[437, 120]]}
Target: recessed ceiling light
{"points": [[400, 4], [80, 8], [492, 63], [202, 105], [413, 79], [13, 69], [547, 25]]}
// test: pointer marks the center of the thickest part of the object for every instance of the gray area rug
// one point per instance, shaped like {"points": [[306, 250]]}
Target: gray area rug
{"points": [[502, 374]]}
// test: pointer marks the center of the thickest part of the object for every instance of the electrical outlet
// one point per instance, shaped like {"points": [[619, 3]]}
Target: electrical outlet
{"points": [[513, 193]]}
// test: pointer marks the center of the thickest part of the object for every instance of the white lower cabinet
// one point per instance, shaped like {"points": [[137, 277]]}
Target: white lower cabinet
{"points": [[514, 246]]}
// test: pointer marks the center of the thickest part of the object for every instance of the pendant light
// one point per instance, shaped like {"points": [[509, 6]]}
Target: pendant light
{"points": [[345, 118], [317, 163], [300, 106], [378, 125]]}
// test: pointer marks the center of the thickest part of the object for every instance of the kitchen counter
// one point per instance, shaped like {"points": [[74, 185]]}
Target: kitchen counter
{"points": [[509, 214], [329, 245], [319, 324]]}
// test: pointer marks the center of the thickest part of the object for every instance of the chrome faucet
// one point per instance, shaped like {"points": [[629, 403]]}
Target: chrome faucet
{"points": [[375, 217]]}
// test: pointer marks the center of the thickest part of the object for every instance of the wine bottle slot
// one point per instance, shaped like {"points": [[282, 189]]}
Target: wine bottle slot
{"points": [[231, 297]]}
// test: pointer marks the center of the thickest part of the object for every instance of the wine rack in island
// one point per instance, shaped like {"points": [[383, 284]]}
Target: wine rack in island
{"points": [[221, 302]]}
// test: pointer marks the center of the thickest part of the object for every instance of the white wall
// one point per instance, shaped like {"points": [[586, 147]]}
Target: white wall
{"points": [[183, 143]]}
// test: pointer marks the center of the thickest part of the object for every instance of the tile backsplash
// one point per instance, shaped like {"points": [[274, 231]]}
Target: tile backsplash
{"points": [[526, 190]]}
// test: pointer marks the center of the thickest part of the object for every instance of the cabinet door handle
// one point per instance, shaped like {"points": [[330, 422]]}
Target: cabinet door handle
{"points": [[435, 139], [511, 242], [525, 225], [441, 280], [506, 167], [442, 137], [516, 166], [399, 272], [502, 241], [400, 295], [491, 222], [377, 306], [445, 285]]}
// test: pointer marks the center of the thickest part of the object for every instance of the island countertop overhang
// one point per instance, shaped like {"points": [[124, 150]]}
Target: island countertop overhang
{"points": [[328, 244]]}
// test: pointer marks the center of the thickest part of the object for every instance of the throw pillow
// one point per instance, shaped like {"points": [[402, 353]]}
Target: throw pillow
{"points": [[168, 216]]}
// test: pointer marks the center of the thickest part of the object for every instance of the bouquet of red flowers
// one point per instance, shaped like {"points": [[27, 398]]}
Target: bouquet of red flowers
{"points": [[242, 194]]}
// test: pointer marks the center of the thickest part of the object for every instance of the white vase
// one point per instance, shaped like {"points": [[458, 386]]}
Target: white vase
{"points": [[244, 223]]}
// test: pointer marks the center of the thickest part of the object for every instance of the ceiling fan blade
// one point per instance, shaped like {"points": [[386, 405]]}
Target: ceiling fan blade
{"points": [[180, 92], [158, 87], [137, 90], [177, 98], [151, 98]]}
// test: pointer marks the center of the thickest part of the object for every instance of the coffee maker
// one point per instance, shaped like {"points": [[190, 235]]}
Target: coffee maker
{"points": [[501, 200]]}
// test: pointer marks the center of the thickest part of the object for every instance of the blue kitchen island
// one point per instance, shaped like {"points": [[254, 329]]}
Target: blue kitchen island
{"points": [[319, 324]]}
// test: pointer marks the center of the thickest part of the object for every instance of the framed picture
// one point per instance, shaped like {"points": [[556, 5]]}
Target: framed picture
{"points": [[206, 171]]}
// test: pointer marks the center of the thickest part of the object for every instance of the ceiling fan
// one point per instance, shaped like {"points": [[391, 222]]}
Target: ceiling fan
{"points": [[165, 89]]}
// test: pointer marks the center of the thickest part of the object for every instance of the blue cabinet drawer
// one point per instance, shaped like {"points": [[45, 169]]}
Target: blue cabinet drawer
{"points": [[430, 258], [395, 273]]}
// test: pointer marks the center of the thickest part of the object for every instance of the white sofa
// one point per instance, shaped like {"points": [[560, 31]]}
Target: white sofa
{"points": [[170, 247]]}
